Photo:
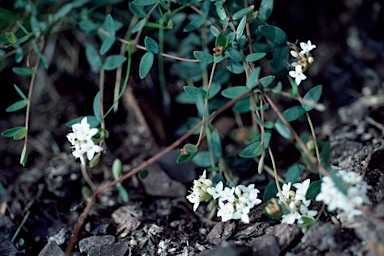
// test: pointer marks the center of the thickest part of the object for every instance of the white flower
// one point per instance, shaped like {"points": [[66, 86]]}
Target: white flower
{"points": [[301, 189], [307, 47], [81, 140], [306, 213], [227, 195], [347, 203], [292, 216], [225, 211], [298, 74], [241, 213], [286, 189], [215, 192], [200, 191]]}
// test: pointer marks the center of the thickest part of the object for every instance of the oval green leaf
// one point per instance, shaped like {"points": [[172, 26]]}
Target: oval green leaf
{"points": [[241, 13], [283, 130], [265, 9], [151, 45], [313, 190], [144, 2], [114, 61], [273, 34], [17, 106], [20, 134], [92, 56], [293, 113], [204, 57], [22, 71], [24, 156], [195, 92], [255, 56], [96, 107], [9, 133], [233, 92], [267, 80], [270, 191], [312, 97], [146, 64], [234, 54], [234, 67], [116, 168], [254, 149], [293, 173]]}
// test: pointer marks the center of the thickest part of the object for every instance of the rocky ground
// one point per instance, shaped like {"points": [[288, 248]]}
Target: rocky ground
{"points": [[42, 202]]}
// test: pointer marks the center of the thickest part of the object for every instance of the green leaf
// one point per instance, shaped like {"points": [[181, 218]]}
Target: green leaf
{"points": [[280, 62], [194, 24], [114, 61], [151, 45], [93, 56], [233, 92], [136, 10], [293, 173], [215, 142], [234, 54], [143, 174], [86, 193], [293, 113], [203, 159], [44, 62], [215, 32], [116, 168], [234, 67], [106, 45], [273, 34], [191, 148], [195, 92], [313, 190], [240, 28], [20, 134], [22, 71], [185, 158], [312, 95], [220, 10], [221, 40], [96, 107], [17, 106], [270, 191], [122, 192], [204, 57], [146, 64], [108, 40], [215, 89], [11, 37], [217, 178], [144, 2], [267, 80], [254, 149], [63, 11], [24, 156], [265, 9], [283, 130], [19, 54], [22, 28], [20, 92], [325, 153], [255, 56], [241, 13], [9, 133], [253, 78], [242, 106]]}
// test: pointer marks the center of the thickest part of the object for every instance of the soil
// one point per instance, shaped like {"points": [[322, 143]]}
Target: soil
{"points": [[41, 203]]}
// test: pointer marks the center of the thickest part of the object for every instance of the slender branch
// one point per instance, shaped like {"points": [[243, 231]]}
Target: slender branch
{"points": [[276, 179]]}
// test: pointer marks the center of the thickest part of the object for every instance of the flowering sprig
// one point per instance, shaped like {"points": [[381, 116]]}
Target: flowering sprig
{"points": [[82, 142], [348, 202], [296, 202], [304, 60], [233, 203]]}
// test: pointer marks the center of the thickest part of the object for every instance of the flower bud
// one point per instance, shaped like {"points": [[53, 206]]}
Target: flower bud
{"points": [[294, 54]]}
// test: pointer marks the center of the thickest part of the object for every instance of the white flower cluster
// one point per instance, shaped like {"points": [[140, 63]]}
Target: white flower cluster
{"points": [[81, 140], [304, 61], [298, 204], [335, 199], [234, 203]]}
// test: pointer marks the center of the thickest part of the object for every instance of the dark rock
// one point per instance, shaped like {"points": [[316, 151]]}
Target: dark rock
{"points": [[93, 245], [116, 249], [228, 249], [50, 249], [8, 248], [7, 228], [221, 232], [265, 245], [61, 237], [285, 234], [321, 236]]}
